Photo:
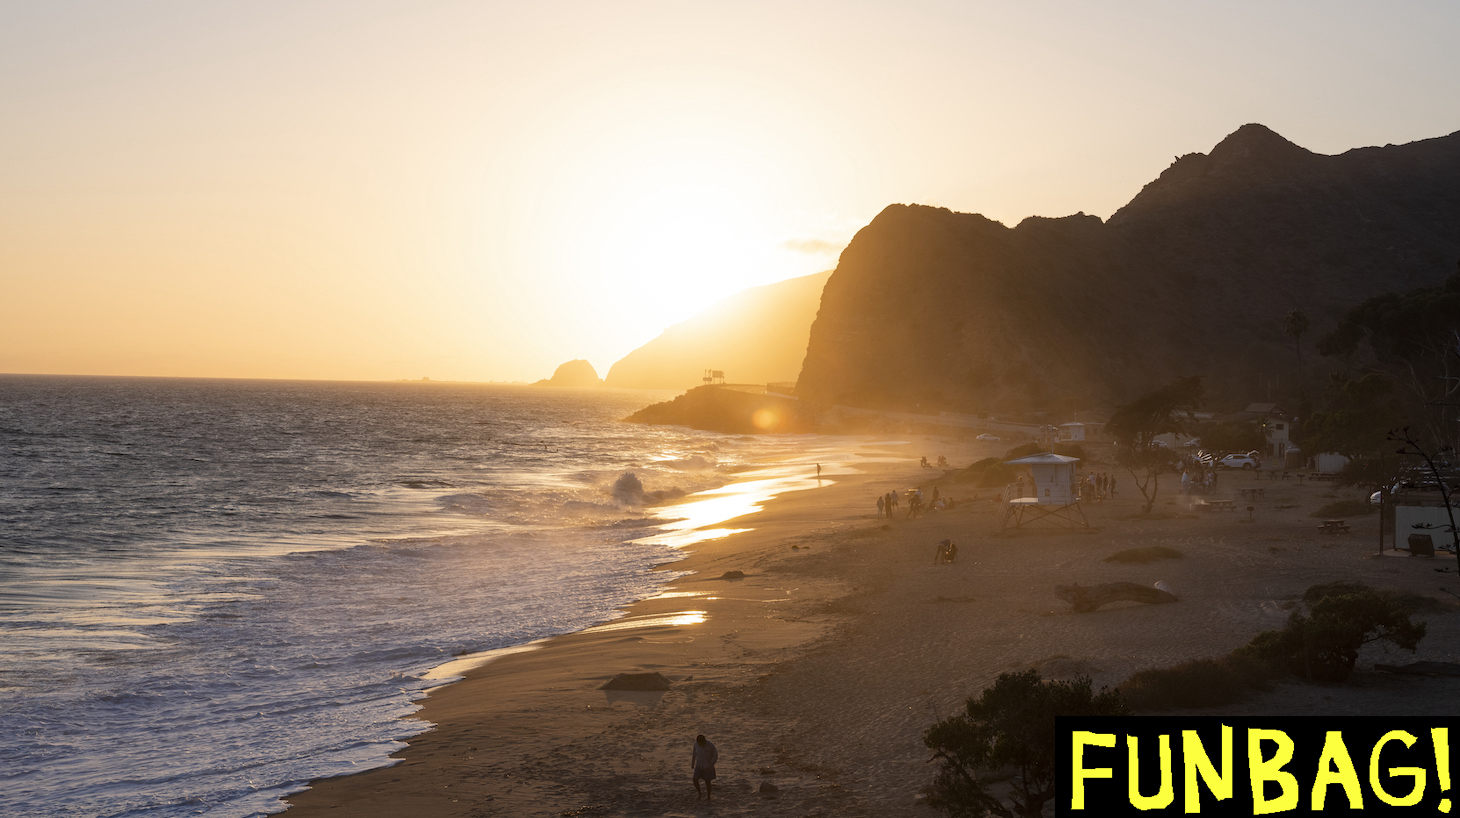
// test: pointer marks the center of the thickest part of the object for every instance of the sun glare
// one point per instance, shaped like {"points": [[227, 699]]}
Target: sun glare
{"points": [[686, 231], [692, 239], [676, 218]]}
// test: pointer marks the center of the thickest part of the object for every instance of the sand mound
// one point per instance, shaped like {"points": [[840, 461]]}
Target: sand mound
{"points": [[637, 681]]}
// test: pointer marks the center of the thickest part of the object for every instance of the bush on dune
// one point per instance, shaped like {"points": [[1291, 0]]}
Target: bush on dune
{"points": [[991, 472], [1009, 726], [1198, 683], [1323, 644], [988, 473], [1320, 643]]}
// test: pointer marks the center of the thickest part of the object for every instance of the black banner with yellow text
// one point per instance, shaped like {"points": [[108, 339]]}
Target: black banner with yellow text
{"points": [[1286, 766]]}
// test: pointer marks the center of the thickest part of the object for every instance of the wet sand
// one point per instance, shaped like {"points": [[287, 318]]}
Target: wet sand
{"points": [[819, 670]]}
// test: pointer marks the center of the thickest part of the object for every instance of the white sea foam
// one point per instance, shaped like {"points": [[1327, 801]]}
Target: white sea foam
{"points": [[256, 593]]}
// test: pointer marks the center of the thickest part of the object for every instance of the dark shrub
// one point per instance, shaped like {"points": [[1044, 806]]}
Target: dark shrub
{"points": [[1319, 644], [1010, 725], [1322, 644], [1198, 683], [989, 472]]}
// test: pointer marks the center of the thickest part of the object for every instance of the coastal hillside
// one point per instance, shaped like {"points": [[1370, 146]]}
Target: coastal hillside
{"points": [[934, 310], [757, 335]]}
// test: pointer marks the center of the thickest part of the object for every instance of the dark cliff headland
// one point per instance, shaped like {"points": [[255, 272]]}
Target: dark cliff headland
{"points": [[930, 310], [933, 310]]}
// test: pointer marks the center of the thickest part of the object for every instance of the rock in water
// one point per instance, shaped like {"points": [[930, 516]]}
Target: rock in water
{"points": [[719, 409], [573, 373]]}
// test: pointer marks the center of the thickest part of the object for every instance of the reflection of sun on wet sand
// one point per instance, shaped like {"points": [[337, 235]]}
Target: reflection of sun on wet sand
{"points": [[819, 670]]}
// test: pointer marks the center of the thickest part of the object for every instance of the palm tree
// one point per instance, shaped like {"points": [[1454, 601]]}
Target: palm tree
{"points": [[1295, 324]]}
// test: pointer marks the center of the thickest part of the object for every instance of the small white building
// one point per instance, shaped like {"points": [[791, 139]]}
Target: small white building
{"points": [[1072, 431], [1277, 427], [1330, 462], [1054, 477], [1422, 512], [1051, 493]]}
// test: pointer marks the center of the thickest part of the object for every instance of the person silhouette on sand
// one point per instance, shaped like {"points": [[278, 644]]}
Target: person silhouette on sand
{"points": [[702, 759]]}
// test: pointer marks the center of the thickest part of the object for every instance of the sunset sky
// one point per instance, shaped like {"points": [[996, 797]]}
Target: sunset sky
{"points": [[481, 191]]}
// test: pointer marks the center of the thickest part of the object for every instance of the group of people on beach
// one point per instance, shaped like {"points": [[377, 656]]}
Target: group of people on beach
{"points": [[1198, 480], [1096, 487], [889, 502]]}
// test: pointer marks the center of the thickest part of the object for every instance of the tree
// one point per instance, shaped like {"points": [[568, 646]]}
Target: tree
{"points": [[1233, 436], [1414, 338], [1295, 324], [1136, 425], [1322, 644], [1009, 728], [1361, 410]]}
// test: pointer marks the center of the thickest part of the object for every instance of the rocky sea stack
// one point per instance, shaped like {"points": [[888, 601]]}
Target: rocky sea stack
{"points": [[573, 373]]}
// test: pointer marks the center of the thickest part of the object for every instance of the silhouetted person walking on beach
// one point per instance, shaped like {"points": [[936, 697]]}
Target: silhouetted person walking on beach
{"points": [[703, 758]]}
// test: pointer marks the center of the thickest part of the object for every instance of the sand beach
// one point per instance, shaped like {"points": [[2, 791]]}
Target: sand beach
{"points": [[817, 671]]}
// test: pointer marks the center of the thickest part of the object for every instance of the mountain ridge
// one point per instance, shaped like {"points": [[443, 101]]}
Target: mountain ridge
{"points": [[935, 310]]}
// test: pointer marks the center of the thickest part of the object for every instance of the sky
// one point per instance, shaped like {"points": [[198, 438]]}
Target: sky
{"points": [[381, 189]]}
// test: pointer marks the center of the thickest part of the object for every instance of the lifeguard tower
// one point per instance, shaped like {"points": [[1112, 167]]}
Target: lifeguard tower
{"points": [[1052, 494]]}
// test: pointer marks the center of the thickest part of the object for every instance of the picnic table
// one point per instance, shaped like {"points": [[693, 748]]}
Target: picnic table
{"points": [[1220, 505], [1333, 527], [1253, 493]]}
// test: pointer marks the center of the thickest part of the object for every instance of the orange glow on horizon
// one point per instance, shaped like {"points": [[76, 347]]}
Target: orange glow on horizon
{"points": [[384, 190]]}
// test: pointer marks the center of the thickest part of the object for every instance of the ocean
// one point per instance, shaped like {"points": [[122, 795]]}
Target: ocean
{"points": [[214, 591]]}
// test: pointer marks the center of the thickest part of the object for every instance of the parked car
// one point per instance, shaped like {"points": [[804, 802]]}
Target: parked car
{"points": [[1239, 461], [1194, 443], [988, 437]]}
